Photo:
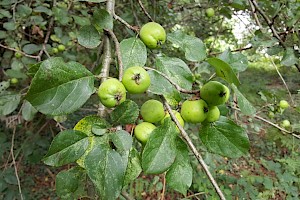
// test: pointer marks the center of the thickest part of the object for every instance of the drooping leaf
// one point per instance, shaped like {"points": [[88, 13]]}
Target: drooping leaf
{"points": [[224, 70], [159, 84], [289, 58], [102, 19], [126, 113], [66, 148], [193, 47], [89, 37], [28, 111], [160, 150], [134, 167], [176, 70], [224, 137], [245, 106], [8, 103], [133, 52], [106, 169], [60, 88], [180, 175], [237, 61], [69, 184]]}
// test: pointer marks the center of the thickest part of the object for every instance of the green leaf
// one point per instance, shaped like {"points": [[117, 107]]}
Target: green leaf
{"points": [[89, 37], [226, 138], [192, 46], [87, 124], [69, 184], [61, 15], [23, 10], [43, 9], [245, 106], [31, 48], [125, 113], [66, 148], [133, 52], [224, 70], [289, 58], [98, 129], [180, 175], [134, 167], [33, 69], [237, 61], [60, 88], [28, 111], [263, 39], [8, 103], [176, 70], [3, 34], [82, 21], [159, 84], [102, 20], [10, 26], [160, 150], [106, 169]]}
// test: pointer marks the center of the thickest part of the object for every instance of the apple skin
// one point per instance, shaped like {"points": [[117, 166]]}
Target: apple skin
{"points": [[61, 47], [136, 80], [283, 104], [214, 93], [285, 123], [112, 93], [210, 12], [142, 131], [178, 117], [213, 114], [14, 81], [152, 111], [18, 55], [153, 35], [194, 111]]}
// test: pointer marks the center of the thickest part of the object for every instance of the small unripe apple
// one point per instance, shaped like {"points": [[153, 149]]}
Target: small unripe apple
{"points": [[54, 50], [61, 47], [18, 55], [152, 111], [271, 115], [214, 93], [213, 114], [177, 115], [142, 131], [210, 12], [194, 111], [14, 80], [284, 104], [285, 123]]}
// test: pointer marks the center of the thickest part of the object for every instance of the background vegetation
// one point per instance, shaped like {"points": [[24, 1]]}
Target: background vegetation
{"points": [[266, 32]]}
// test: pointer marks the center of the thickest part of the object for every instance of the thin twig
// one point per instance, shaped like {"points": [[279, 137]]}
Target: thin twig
{"points": [[194, 150], [21, 52], [287, 88], [136, 29], [126, 195], [193, 195], [269, 22], [14, 162], [173, 83], [164, 187], [99, 53], [255, 15], [235, 50], [118, 52], [144, 10]]}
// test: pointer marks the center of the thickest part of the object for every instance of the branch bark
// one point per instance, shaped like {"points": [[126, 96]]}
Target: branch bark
{"points": [[144, 10], [194, 150]]}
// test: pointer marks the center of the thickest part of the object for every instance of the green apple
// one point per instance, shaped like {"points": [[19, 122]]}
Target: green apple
{"points": [[285, 123], [213, 114], [153, 35], [177, 115], [210, 12], [61, 47], [194, 111], [271, 114], [14, 81], [152, 111], [136, 80], [54, 50], [18, 55], [142, 131], [112, 93], [283, 104], [214, 93]]}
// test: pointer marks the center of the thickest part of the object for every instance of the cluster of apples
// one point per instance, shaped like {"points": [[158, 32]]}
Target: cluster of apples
{"points": [[205, 110]]}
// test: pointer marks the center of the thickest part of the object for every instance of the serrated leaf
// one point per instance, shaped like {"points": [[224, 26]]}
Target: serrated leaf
{"points": [[237, 61], [159, 84], [69, 184], [134, 167], [125, 113], [224, 70], [133, 52], [102, 19], [160, 150], [225, 138], [106, 169], [176, 70], [89, 37], [289, 58], [60, 88], [193, 47], [28, 111], [243, 103], [180, 175], [8, 103], [66, 148]]}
